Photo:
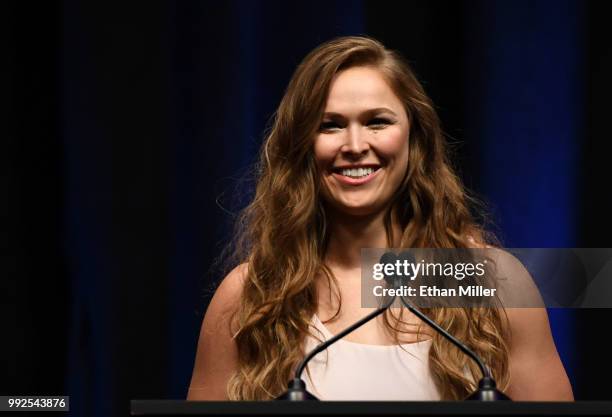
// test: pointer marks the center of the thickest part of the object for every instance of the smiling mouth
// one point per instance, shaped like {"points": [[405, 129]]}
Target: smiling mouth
{"points": [[355, 175], [356, 172]]}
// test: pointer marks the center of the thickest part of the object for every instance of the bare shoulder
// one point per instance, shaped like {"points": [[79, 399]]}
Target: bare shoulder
{"points": [[217, 354], [224, 303], [230, 289]]}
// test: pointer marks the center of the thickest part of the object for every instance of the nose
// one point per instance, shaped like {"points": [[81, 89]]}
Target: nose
{"points": [[356, 143]]}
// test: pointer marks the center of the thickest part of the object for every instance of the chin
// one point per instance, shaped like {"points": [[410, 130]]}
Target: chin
{"points": [[364, 209]]}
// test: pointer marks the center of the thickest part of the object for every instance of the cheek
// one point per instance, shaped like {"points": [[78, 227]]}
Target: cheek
{"points": [[394, 146], [324, 153]]}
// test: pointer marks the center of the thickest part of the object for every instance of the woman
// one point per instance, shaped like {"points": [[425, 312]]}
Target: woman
{"points": [[356, 159]]}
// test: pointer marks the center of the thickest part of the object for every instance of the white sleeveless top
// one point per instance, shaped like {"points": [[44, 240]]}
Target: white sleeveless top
{"points": [[356, 371]]}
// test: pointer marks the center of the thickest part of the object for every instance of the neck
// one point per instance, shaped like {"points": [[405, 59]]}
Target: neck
{"points": [[349, 234]]}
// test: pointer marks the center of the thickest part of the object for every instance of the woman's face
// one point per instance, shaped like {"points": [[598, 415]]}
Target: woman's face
{"points": [[361, 148]]}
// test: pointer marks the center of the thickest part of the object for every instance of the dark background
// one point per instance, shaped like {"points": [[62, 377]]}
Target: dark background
{"points": [[124, 123]]}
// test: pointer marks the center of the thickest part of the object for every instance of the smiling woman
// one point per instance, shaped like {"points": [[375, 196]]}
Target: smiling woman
{"points": [[356, 159]]}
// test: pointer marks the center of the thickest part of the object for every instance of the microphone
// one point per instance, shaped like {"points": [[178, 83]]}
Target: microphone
{"points": [[487, 389], [296, 390]]}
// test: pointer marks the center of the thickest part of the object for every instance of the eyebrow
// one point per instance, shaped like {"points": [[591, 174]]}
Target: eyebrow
{"points": [[369, 112]]}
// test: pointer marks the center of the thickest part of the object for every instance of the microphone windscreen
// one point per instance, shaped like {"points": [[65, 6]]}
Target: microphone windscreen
{"points": [[407, 256], [389, 258]]}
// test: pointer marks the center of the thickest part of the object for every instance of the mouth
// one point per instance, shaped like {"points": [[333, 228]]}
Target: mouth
{"points": [[356, 175]]}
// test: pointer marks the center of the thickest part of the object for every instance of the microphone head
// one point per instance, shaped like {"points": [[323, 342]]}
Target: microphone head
{"points": [[404, 257], [407, 255], [389, 258]]}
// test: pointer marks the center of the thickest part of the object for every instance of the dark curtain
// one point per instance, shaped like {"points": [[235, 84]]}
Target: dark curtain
{"points": [[130, 129]]}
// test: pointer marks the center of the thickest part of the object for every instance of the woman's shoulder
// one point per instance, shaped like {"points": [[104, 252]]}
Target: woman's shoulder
{"points": [[217, 354], [230, 288], [224, 303]]}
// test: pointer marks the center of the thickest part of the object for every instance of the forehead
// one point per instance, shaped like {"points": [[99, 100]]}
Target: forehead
{"points": [[359, 88]]}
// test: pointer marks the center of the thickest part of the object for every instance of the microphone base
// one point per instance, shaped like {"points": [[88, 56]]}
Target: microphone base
{"points": [[296, 392], [487, 391]]}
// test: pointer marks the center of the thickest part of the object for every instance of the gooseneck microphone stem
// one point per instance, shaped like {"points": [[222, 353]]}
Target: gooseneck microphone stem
{"points": [[485, 370], [324, 345], [297, 387], [486, 390]]}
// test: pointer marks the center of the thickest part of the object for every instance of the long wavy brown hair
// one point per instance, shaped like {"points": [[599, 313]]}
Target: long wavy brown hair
{"points": [[282, 234]]}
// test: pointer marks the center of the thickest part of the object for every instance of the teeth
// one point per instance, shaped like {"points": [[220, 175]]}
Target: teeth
{"points": [[357, 172]]}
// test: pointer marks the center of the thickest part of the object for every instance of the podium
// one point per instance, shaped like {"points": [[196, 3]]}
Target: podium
{"points": [[369, 408]]}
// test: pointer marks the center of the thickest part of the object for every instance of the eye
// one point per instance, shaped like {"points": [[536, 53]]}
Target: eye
{"points": [[379, 123], [329, 126]]}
